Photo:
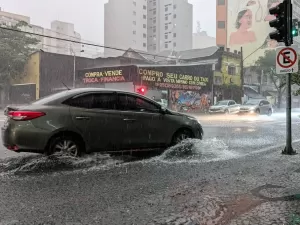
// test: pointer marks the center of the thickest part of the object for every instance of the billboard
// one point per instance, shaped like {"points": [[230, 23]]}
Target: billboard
{"points": [[248, 27]]}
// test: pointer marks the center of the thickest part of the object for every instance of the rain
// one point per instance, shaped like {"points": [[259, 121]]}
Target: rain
{"points": [[149, 112]]}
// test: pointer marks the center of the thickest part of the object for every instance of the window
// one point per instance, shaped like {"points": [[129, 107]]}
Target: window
{"points": [[154, 29], [144, 16], [166, 36], [166, 45], [134, 32], [174, 6], [154, 3], [174, 44], [133, 103], [174, 35], [144, 45], [144, 7], [166, 17], [94, 101], [154, 12], [144, 35], [166, 27], [231, 70], [166, 8], [144, 26], [134, 22], [134, 13], [134, 3], [154, 21], [221, 2], [154, 47], [174, 16], [231, 103], [221, 24]]}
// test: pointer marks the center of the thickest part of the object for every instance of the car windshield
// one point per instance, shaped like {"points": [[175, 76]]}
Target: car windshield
{"points": [[252, 102], [222, 103]]}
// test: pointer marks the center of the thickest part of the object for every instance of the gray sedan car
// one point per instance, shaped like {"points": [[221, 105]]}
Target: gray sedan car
{"points": [[93, 119], [256, 107]]}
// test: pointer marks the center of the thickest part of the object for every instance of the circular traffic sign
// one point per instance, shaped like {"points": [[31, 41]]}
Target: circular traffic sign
{"points": [[281, 54]]}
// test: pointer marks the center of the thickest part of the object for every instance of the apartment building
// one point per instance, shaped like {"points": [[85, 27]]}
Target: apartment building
{"points": [[148, 25], [125, 26]]}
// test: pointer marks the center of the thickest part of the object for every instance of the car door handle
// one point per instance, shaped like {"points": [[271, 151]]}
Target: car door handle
{"points": [[82, 118], [129, 120]]}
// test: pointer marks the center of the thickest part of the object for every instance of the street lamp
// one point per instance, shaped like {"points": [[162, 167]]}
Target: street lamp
{"points": [[74, 65]]}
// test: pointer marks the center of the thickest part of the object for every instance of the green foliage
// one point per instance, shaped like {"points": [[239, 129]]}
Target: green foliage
{"points": [[15, 47], [267, 64]]}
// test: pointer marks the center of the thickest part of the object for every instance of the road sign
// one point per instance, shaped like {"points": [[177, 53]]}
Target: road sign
{"points": [[286, 60]]}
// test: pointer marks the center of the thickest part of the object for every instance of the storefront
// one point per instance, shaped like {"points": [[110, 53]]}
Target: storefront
{"points": [[187, 86]]}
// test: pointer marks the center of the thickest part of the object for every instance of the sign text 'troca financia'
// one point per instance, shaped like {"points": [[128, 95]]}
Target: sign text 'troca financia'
{"points": [[172, 80]]}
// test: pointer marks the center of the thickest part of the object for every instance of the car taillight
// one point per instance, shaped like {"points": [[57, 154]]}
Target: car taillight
{"points": [[25, 115]]}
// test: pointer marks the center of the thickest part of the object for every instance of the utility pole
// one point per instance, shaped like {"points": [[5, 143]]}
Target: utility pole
{"points": [[284, 33], [242, 76]]}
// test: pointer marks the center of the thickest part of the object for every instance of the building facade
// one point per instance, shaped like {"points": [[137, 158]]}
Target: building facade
{"points": [[125, 26], [148, 25], [245, 23], [170, 25]]}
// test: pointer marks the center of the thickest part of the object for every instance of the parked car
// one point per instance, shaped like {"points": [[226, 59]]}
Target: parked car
{"points": [[257, 107], [94, 119], [225, 107]]}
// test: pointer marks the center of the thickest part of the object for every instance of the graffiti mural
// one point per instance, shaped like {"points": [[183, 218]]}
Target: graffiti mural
{"points": [[189, 101]]}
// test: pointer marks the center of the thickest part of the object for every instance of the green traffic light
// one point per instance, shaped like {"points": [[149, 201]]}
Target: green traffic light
{"points": [[295, 32]]}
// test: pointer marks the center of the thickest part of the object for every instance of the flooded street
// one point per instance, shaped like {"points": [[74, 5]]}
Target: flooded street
{"points": [[193, 181]]}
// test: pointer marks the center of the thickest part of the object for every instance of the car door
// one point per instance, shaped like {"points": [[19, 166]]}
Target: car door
{"points": [[233, 106], [94, 115], [262, 107], [144, 122]]}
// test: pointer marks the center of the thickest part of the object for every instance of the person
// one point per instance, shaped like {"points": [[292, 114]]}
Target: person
{"points": [[243, 24]]}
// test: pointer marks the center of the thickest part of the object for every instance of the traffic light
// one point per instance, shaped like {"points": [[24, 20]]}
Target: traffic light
{"points": [[280, 23], [295, 28], [141, 90]]}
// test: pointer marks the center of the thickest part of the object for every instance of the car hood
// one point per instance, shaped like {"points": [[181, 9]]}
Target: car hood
{"points": [[248, 106], [218, 106]]}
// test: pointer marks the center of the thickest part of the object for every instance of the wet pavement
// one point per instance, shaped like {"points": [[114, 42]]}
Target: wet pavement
{"points": [[234, 176]]}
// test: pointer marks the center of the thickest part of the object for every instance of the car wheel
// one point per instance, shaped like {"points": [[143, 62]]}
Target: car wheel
{"points": [[181, 135], [226, 111], [257, 112], [67, 145], [269, 112]]}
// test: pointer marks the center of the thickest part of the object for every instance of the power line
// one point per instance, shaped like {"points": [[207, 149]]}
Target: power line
{"points": [[84, 43]]}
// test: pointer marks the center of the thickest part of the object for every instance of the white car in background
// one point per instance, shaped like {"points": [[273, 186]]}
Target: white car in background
{"points": [[225, 107]]}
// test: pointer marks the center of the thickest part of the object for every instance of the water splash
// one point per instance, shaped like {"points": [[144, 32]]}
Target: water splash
{"points": [[197, 151]]}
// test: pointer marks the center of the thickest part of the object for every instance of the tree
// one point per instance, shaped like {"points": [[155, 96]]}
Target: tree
{"points": [[267, 64], [15, 47]]}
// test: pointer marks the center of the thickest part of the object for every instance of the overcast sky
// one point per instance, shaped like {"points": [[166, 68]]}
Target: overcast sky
{"points": [[87, 15]]}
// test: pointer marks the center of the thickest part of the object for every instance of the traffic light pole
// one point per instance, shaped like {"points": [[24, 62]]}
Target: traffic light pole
{"points": [[288, 42]]}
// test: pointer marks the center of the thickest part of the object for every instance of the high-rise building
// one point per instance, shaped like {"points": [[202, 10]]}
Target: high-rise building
{"points": [[245, 23], [125, 25], [148, 25], [170, 25]]}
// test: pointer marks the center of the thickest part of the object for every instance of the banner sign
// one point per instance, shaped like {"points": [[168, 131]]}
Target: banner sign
{"points": [[107, 75], [195, 77]]}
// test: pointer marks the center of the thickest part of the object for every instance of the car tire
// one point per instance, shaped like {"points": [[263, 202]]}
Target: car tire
{"points": [[269, 112], [226, 112], [257, 112], [181, 135], [66, 144]]}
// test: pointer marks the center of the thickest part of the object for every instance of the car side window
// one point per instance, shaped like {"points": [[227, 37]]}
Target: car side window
{"points": [[231, 103], [106, 101], [83, 101], [132, 103]]}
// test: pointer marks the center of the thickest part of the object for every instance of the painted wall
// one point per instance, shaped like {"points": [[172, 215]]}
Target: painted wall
{"points": [[248, 26]]}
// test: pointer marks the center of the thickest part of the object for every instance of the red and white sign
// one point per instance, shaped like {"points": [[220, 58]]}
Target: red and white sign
{"points": [[286, 60]]}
